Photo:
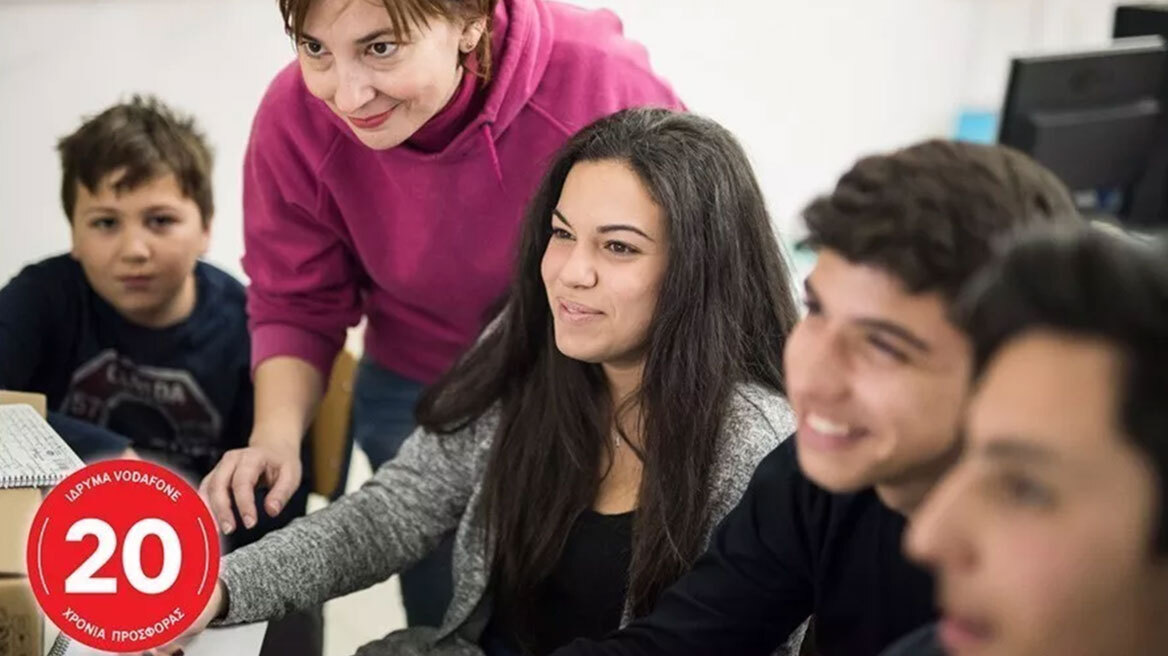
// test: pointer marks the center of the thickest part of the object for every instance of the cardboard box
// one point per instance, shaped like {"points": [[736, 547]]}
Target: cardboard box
{"points": [[21, 623], [37, 401], [18, 506]]}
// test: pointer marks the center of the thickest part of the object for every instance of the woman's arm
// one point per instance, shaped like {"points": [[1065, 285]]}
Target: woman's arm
{"points": [[302, 296], [397, 517]]}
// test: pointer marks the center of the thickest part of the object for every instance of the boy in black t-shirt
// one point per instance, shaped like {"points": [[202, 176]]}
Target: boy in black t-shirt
{"points": [[141, 349]]}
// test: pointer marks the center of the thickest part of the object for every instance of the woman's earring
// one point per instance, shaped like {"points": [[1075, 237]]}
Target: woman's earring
{"points": [[467, 45]]}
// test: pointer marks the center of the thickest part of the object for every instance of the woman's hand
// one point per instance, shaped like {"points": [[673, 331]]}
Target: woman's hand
{"points": [[274, 460], [287, 391]]}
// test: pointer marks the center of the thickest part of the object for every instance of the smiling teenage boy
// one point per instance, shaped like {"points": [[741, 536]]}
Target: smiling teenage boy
{"points": [[878, 376]]}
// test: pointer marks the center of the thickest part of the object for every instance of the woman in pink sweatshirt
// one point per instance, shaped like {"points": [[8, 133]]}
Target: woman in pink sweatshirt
{"points": [[385, 178]]}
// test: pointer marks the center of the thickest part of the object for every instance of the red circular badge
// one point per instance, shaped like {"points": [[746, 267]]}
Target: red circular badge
{"points": [[123, 556]]}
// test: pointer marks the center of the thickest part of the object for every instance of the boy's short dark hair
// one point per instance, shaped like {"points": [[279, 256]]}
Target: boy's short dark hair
{"points": [[1092, 284], [932, 214], [146, 139]]}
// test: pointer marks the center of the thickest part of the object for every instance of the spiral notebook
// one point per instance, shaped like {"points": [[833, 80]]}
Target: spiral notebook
{"points": [[31, 452]]}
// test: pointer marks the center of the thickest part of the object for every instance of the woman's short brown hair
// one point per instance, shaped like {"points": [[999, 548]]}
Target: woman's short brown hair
{"points": [[407, 14]]}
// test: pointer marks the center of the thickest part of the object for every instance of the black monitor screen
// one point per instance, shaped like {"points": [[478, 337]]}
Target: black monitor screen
{"points": [[1090, 116]]}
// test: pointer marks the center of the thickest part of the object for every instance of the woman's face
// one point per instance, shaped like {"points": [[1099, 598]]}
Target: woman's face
{"points": [[604, 263], [384, 88]]}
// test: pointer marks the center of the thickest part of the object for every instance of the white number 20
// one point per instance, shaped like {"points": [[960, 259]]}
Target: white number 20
{"points": [[82, 581]]}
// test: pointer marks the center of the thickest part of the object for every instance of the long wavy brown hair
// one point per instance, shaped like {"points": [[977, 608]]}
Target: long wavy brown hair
{"points": [[722, 317]]}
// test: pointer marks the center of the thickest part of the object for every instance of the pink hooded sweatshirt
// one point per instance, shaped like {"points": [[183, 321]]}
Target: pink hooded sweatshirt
{"points": [[420, 238]]}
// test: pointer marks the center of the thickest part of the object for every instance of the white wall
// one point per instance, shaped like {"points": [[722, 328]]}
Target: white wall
{"points": [[807, 84], [60, 60], [1024, 26]]}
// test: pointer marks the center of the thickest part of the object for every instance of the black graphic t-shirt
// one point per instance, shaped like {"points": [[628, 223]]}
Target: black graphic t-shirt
{"points": [[181, 395]]}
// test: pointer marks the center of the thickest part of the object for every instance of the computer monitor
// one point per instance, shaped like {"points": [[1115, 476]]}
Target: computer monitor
{"points": [[1140, 20], [1096, 119]]}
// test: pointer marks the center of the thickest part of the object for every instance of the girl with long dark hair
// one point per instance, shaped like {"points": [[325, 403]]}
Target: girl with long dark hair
{"points": [[609, 416]]}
